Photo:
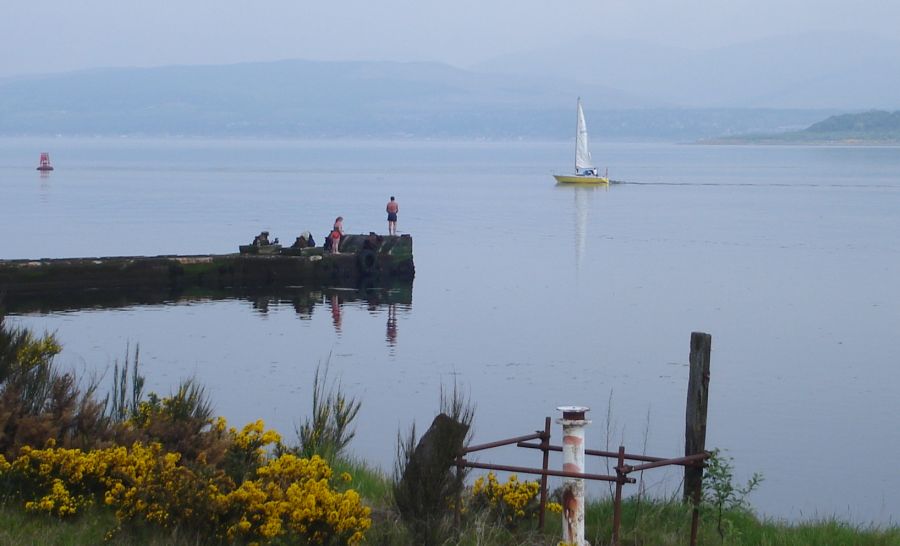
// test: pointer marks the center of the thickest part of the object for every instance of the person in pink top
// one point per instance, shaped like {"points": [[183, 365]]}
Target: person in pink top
{"points": [[336, 233], [392, 209]]}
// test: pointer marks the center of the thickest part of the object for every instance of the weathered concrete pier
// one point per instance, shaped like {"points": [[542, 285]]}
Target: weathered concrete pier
{"points": [[364, 259]]}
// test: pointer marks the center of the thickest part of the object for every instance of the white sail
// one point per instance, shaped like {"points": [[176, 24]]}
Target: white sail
{"points": [[582, 150]]}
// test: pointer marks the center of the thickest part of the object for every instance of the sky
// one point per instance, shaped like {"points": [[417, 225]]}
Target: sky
{"points": [[46, 36]]}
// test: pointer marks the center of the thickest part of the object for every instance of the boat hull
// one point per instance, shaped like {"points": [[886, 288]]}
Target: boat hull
{"points": [[575, 179]]}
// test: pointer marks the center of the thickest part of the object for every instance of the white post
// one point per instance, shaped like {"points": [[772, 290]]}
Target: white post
{"points": [[573, 423]]}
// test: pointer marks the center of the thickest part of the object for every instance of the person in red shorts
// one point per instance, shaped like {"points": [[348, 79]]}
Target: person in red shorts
{"points": [[392, 209]]}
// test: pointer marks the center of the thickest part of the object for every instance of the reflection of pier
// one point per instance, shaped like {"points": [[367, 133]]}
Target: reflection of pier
{"points": [[303, 299], [391, 334]]}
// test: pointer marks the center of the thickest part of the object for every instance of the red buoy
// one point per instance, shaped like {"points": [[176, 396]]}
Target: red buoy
{"points": [[45, 162]]}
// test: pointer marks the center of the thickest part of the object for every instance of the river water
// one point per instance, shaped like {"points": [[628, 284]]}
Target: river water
{"points": [[528, 296]]}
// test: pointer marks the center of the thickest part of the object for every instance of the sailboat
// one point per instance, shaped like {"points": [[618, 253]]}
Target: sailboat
{"points": [[585, 172]]}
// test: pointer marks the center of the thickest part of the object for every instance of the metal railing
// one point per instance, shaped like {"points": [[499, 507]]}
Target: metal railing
{"points": [[620, 478]]}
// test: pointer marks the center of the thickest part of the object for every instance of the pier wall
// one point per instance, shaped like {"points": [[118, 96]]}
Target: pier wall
{"points": [[363, 259]]}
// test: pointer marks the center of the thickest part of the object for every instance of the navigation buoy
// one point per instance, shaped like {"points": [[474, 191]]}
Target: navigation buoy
{"points": [[45, 162]]}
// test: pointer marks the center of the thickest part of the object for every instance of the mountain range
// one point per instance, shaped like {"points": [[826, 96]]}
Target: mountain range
{"points": [[630, 90], [818, 70]]}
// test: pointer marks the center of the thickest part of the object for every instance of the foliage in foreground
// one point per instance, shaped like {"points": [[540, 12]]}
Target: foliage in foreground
{"points": [[162, 462], [162, 471], [144, 484]]}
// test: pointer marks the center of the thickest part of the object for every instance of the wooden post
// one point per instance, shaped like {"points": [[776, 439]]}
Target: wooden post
{"points": [[695, 417], [695, 422], [545, 447], [457, 516]]}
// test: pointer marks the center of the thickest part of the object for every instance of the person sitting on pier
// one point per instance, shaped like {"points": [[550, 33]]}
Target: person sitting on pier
{"points": [[303, 241], [262, 239]]}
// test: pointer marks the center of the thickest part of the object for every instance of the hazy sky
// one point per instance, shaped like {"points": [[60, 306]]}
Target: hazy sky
{"points": [[58, 35]]}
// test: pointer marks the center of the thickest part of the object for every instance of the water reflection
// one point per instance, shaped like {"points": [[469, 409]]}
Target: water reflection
{"points": [[302, 299], [582, 210], [45, 186], [391, 335], [583, 204], [336, 313]]}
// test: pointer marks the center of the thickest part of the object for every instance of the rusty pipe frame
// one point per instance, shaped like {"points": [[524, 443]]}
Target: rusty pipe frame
{"points": [[500, 443], [608, 454], [539, 472], [545, 461], [617, 502], [690, 460], [621, 478]]}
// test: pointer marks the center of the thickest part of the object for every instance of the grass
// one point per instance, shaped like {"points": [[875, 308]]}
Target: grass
{"points": [[667, 523], [23, 529], [645, 523], [370, 482], [648, 522]]}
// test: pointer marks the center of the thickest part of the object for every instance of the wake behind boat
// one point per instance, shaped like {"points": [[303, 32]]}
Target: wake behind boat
{"points": [[585, 172]]}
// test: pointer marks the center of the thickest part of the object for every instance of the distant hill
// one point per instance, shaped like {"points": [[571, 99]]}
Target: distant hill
{"points": [[823, 70], [306, 99], [291, 98], [872, 127], [873, 124]]}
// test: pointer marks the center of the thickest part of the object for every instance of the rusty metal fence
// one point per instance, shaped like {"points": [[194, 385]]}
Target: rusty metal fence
{"points": [[620, 478]]}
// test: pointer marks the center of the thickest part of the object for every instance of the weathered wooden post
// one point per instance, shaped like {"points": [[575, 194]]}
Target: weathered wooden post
{"points": [[695, 422]]}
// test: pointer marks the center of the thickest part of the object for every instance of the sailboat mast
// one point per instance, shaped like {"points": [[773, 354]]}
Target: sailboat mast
{"points": [[577, 123]]}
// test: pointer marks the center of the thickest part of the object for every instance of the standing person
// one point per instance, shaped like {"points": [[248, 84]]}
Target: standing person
{"points": [[336, 233], [392, 209]]}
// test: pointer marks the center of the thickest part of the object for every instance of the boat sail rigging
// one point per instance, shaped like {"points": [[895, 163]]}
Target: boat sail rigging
{"points": [[583, 160], [585, 172]]}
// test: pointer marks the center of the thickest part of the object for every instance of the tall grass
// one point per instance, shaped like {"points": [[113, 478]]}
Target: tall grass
{"points": [[330, 428], [668, 522], [118, 406]]}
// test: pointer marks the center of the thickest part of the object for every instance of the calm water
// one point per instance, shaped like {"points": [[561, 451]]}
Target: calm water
{"points": [[528, 295]]}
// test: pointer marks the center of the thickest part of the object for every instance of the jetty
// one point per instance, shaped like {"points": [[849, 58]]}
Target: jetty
{"points": [[364, 260]]}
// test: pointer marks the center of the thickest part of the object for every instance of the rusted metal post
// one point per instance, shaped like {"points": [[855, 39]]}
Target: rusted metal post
{"points": [[545, 448], [458, 514], [695, 422], [617, 502], [573, 423]]}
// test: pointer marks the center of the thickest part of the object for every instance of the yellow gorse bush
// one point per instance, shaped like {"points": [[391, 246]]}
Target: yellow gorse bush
{"points": [[292, 494], [510, 502], [286, 495], [34, 350]]}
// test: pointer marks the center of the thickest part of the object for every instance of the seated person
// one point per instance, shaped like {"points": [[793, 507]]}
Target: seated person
{"points": [[305, 240]]}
